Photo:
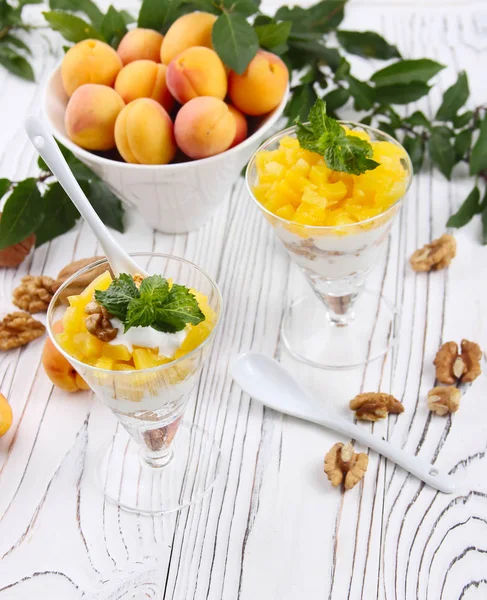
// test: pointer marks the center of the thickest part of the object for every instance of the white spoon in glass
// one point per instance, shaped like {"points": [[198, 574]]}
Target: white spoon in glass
{"points": [[45, 144], [266, 380]]}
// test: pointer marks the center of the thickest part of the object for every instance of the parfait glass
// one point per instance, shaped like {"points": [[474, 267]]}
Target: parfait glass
{"points": [[343, 324], [154, 463]]}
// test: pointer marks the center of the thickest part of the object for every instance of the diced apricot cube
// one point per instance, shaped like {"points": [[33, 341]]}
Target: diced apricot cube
{"points": [[286, 212], [104, 363], [116, 352]]}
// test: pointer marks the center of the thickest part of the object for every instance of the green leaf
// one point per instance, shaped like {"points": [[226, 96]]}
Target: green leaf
{"points": [[245, 8], [441, 151], [478, 158], [368, 44], [88, 7], [25, 2], [127, 17], [454, 98], [41, 163], [11, 40], [154, 289], [463, 119], [22, 213], [407, 71], [113, 27], [336, 99], [361, 92], [462, 143], [235, 41], [418, 119], [4, 187], [139, 314], [402, 93], [263, 20], [15, 63], [315, 50], [273, 34], [118, 296], [61, 215], [320, 18], [467, 210], [71, 27], [302, 99], [157, 14], [484, 225], [179, 308]]}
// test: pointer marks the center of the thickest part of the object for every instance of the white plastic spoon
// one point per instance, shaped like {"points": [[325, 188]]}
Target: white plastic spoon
{"points": [[263, 378], [45, 144]]}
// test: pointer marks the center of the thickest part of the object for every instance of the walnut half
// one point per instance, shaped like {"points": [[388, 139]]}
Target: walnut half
{"points": [[444, 399], [18, 329], [98, 322], [34, 293], [452, 366], [373, 406], [434, 256], [342, 464]]}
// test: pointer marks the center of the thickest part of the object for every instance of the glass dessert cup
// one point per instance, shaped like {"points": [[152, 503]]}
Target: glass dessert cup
{"points": [[344, 324], [162, 465]]}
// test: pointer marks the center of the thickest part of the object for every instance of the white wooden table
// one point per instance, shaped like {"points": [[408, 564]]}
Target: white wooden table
{"points": [[273, 528]]}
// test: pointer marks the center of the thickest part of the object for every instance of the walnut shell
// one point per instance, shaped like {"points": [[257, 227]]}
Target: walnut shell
{"points": [[76, 287]]}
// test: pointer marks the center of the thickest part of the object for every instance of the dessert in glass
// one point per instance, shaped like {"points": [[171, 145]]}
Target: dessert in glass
{"points": [[144, 374], [334, 226]]}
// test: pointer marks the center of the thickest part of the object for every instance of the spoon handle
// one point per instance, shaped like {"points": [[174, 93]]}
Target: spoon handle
{"points": [[419, 467], [45, 144]]}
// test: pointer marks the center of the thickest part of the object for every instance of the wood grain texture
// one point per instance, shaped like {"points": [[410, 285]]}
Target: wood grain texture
{"points": [[273, 528]]}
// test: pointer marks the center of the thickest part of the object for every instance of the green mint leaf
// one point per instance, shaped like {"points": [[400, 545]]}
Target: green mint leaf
{"points": [[467, 210], [273, 34], [402, 93], [61, 215], [354, 155], [336, 99], [415, 146], [72, 28], [321, 123], [117, 298], [361, 92], [367, 44], [179, 308], [407, 71], [158, 14], [418, 119], [463, 141], [484, 225], [478, 158], [4, 186], [15, 63], [88, 7], [139, 314], [441, 151], [454, 98], [22, 213], [154, 289], [113, 27], [463, 119], [235, 41]]}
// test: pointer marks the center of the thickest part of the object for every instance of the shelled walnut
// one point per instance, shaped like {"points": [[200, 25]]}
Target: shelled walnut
{"points": [[34, 293], [452, 365], [18, 329], [434, 256], [98, 322], [342, 464], [77, 286], [444, 399], [373, 406]]}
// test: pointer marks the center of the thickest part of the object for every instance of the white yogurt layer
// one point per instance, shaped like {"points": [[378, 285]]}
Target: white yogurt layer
{"points": [[147, 337]]}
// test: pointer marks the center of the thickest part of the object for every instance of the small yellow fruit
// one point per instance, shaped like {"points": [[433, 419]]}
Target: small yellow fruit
{"points": [[6, 415]]}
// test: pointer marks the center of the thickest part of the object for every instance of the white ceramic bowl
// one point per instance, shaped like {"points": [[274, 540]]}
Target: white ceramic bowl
{"points": [[172, 198]]}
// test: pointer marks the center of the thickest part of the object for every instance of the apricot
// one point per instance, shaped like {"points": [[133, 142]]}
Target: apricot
{"points": [[144, 79], [6, 415], [242, 126], [196, 72], [90, 116], [144, 133], [204, 126], [193, 29], [261, 87], [89, 61], [58, 369], [140, 44]]}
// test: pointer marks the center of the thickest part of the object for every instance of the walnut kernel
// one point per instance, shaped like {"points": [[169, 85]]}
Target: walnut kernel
{"points": [[452, 366], [18, 329], [471, 357], [444, 361], [444, 399], [434, 256], [98, 322], [342, 464], [373, 406], [34, 293]]}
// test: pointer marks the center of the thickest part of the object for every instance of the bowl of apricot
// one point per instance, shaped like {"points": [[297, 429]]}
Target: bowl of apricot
{"points": [[162, 120]]}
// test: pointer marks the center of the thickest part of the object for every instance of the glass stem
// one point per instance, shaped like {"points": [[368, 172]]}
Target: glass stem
{"points": [[156, 450], [340, 308]]}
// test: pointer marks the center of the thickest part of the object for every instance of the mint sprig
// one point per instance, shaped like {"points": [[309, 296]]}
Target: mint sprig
{"points": [[154, 304], [342, 152]]}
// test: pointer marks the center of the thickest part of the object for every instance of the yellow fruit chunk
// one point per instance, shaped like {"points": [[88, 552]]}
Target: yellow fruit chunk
{"points": [[146, 359], [116, 352], [121, 366], [6, 415], [104, 363]]}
